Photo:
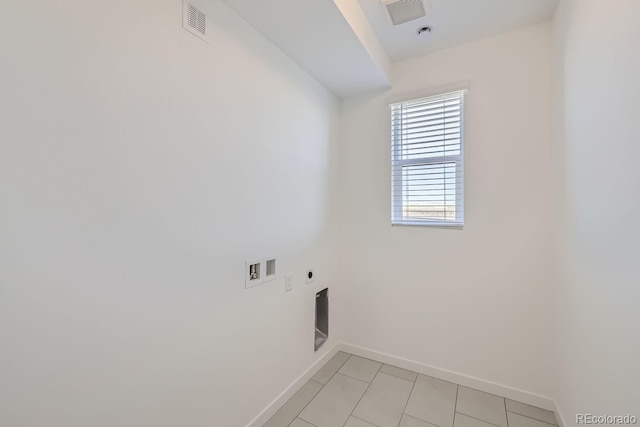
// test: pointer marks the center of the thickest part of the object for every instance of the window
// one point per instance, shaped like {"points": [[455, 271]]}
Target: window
{"points": [[427, 161]]}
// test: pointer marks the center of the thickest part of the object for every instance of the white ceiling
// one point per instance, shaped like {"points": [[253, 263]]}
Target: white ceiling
{"points": [[331, 39], [453, 22], [348, 45]]}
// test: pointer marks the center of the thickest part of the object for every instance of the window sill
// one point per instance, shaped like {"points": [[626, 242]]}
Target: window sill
{"points": [[437, 224]]}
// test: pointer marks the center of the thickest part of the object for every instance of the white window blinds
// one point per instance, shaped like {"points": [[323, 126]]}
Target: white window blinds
{"points": [[427, 161]]}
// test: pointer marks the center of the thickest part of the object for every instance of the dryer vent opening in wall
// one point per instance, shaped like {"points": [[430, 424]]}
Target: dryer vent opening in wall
{"points": [[322, 318]]}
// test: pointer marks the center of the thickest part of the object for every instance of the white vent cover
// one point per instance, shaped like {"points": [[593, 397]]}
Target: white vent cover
{"points": [[194, 19], [402, 11]]}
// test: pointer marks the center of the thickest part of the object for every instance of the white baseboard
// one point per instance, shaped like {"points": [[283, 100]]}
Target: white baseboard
{"points": [[279, 401], [432, 371], [454, 377]]}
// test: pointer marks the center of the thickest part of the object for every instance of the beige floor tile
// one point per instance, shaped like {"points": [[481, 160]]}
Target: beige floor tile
{"points": [[333, 405], [360, 368], [433, 400], [531, 412], [384, 401], [482, 406]]}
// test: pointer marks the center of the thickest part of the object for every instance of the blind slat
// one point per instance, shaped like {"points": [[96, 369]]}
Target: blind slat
{"points": [[430, 114], [407, 119], [432, 127], [420, 140]]}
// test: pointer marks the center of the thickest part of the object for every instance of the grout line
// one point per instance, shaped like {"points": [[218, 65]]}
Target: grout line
{"points": [[354, 378], [486, 392], [368, 422], [419, 419], [365, 392], [366, 358], [506, 417], [531, 418], [455, 405], [475, 418], [526, 404], [296, 418], [408, 399], [397, 376]]}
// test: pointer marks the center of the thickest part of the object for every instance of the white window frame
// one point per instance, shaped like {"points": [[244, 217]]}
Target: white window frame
{"points": [[397, 164]]}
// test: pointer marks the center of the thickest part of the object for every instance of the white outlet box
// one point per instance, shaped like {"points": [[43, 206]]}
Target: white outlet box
{"points": [[253, 273], [260, 270], [270, 268], [309, 276]]}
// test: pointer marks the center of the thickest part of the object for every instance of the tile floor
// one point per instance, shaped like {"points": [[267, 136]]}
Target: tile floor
{"points": [[350, 391]]}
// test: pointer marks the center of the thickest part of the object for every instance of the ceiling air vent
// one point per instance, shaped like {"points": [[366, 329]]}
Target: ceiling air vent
{"points": [[402, 11], [194, 20]]}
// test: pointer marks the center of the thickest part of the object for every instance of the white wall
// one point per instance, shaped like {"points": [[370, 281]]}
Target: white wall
{"points": [[598, 321], [139, 168], [473, 301]]}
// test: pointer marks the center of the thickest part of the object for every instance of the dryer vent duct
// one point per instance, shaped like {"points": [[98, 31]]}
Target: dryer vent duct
{"points": [[322, 318], [401, 11]]}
